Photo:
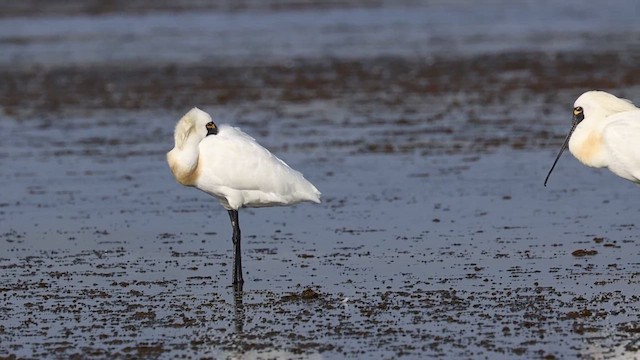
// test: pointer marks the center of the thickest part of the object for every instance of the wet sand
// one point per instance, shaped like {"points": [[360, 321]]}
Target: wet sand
{"points": [[435, 237]]}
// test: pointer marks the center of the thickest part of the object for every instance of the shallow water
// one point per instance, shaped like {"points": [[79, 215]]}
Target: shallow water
{"points": [[435, 236], [256, 35]]}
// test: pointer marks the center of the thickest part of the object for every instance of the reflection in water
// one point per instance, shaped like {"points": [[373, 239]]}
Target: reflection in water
{"points": [[236, 342], [237, 337], [242, 349], [238, 313]]}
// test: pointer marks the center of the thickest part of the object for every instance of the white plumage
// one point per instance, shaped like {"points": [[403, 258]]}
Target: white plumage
{"points": [[240, 172], [230, 165], [605, 132]]}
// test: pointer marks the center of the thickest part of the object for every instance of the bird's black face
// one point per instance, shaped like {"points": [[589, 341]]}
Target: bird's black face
{"points": [[578, 116], [212, 129]]}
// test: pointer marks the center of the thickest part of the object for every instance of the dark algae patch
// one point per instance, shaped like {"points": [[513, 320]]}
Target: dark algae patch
{"points": [[435, 239], [581, 253], [306, 294]]}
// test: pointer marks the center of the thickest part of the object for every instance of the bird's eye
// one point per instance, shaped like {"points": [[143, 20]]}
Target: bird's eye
{"points": [[577, 110]]}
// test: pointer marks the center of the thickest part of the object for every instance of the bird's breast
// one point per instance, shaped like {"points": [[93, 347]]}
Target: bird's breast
{"points": [[184, 174], [587, 148]]}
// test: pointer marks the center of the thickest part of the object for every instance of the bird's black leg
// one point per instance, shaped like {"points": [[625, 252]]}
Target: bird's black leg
{"points": [[237, 256]]}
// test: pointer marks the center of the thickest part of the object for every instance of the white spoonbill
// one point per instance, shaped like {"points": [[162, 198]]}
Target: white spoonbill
{"points": [[605, 132], [230, 165]]}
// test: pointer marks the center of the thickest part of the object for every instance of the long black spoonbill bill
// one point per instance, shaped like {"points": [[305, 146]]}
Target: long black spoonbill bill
{"points": [[230, 165], [605, 132]]}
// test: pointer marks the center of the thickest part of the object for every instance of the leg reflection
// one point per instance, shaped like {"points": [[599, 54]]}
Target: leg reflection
{"points": [[239, 310]]}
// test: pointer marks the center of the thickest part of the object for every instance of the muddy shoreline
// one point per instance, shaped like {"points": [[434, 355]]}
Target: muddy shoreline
{"points": [[435, 106], [435, 238]]}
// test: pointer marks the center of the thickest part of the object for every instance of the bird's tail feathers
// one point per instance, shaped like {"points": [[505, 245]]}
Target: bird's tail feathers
{"points": [[312, 193]]}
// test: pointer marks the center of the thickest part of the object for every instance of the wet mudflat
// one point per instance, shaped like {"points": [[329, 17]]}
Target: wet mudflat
{"points": [[435, 236]]}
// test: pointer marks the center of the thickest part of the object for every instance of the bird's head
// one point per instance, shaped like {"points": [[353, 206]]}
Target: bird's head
{"points": [[194, 123], [597, 105]]}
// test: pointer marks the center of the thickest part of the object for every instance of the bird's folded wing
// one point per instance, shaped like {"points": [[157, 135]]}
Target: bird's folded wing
{"points": [[234, 159], [622, 139]]}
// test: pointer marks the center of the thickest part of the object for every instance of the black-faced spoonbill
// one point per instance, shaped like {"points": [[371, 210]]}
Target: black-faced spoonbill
{"points": [[605, 132], [230, 165]]}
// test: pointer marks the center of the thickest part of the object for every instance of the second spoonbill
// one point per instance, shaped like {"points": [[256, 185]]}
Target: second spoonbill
{"points": [[605, 132]]}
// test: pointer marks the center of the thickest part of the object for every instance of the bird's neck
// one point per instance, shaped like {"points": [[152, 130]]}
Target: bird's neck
{"points": [[183, 161], [586, 144]]}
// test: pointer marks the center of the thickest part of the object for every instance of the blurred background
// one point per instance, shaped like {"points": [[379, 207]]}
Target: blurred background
{"points": [[429, 126]]}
